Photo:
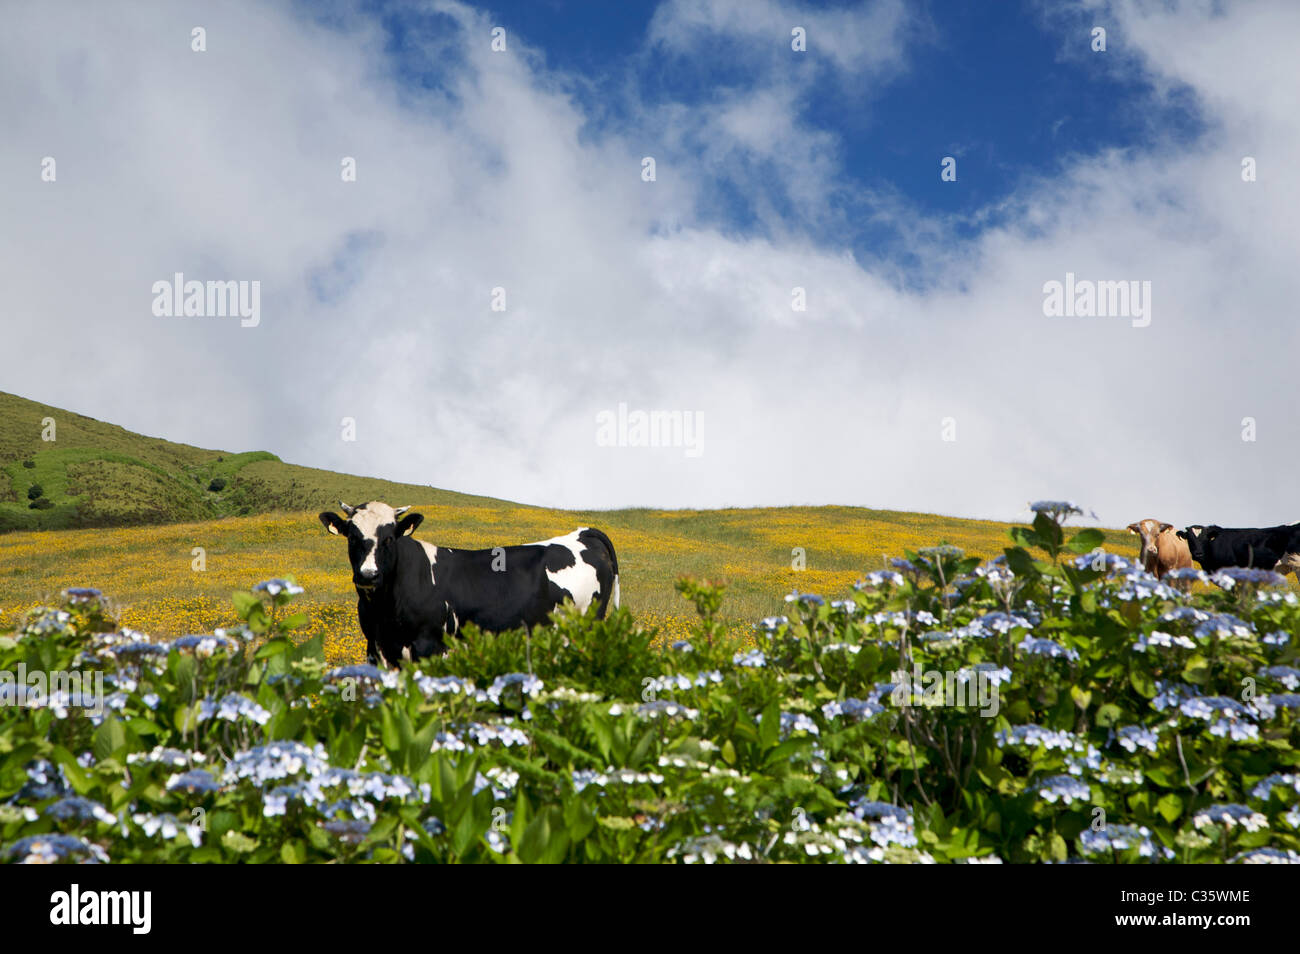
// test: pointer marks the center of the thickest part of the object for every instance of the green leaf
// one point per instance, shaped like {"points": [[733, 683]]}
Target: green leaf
{"points": [[109, 737], [578, 818], [244, 603], [1085, 541], [273, 647], [728, 752], [1142, 683], [769, 727], [238, 842], [1108, 714], [1197, 670], [1170, 807], [293, 852]]}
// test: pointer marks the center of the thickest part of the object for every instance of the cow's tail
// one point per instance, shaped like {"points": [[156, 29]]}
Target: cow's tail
{"points": [[611, 596]]}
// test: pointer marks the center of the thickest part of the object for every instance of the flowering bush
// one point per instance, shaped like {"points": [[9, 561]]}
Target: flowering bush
{"points": [[1056, 704]]}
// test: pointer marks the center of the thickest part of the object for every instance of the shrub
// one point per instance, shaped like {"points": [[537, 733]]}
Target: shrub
{"points": [[29, 464], [34, 491], [217, 484], [40, 503], [1127, 721]]}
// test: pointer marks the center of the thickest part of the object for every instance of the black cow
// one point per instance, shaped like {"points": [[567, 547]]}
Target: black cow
{"points": [[1215, 547], [412, 595]]}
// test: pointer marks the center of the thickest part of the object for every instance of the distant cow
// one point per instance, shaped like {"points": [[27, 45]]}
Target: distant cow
{"points": [[411, 595], [1161, 548], [1215, 547]]}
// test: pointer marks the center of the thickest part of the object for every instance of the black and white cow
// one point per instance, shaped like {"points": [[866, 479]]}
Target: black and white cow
{"points": [[1215, 547], [412, 595]]}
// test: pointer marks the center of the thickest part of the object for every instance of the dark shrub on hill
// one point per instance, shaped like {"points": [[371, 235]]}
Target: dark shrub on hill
{"points": [[40, 503], [35, 491], [29, 464], [218, 484]]}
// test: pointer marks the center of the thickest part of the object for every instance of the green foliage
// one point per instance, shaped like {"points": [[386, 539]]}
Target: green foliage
{"points": [[34, 491], [217, 484], [1130, 722]]}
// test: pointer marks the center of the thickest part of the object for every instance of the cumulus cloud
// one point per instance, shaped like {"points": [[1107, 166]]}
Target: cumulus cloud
{"points": [[495, 171]]}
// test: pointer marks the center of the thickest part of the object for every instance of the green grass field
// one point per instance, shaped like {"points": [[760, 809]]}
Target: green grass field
{"points": [[99, 475]]}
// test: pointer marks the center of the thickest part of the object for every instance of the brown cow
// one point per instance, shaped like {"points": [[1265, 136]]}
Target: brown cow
{"points": [[1162, 550]]}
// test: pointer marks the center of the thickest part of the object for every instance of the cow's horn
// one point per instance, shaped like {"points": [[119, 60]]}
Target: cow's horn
{"points": [[401, 510], [346, 509]]}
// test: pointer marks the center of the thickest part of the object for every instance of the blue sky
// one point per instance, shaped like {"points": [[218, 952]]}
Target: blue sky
{"points": [[994, 84], [924, 372]]}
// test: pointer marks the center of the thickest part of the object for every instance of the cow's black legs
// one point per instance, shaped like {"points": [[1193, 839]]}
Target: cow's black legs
{"points": [[363, 617]]}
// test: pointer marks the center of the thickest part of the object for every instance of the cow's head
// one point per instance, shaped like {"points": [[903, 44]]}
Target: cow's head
{"points": [[371, 530], [1149, 531], [1198, 537]]}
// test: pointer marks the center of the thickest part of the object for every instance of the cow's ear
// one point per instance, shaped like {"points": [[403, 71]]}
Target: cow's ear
{"points": [[1166, 526], [1132, 528], [334, 523], [407, 524]]}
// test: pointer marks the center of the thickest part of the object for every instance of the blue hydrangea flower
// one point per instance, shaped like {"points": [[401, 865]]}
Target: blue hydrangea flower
{"points": [[1046, 647], [1064, 788], [231, 708], [1229, 816], [855, 709], [880, 578], [797, 722], [275, 587], [195, 781], [1227, 717], [529, 685], [1122, 838], [1264, 787], [1230, 576], [1032, 736], [1267, 856], [55, 849], [1134, 737], [667, 709], [76, 808], [1288, 676], [1159, 640]]}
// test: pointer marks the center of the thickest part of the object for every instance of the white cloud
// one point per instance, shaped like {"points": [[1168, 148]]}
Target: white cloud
{"points": [[375, 304]]}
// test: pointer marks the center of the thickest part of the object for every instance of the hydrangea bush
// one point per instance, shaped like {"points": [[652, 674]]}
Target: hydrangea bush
{"points": [[1125, 720]]}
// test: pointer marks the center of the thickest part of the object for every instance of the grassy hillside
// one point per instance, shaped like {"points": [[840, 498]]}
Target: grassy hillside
{"points": [[263, 524], [100, 475]]}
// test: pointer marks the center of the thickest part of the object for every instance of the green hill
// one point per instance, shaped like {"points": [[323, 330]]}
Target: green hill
{"points": [[100, 475]]}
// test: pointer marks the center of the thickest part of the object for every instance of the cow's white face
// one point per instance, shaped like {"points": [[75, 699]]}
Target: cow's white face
{"points": [[372, 530]]}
